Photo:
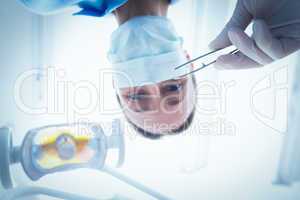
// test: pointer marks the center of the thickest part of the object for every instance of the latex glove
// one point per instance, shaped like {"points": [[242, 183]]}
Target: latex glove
{"points": [[276, 33]]}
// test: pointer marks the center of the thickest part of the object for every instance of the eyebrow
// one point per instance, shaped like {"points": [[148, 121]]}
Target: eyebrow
{"points": [[139, 104]]}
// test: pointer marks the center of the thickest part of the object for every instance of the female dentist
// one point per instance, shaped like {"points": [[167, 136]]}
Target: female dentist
{"points": [[156, 99]]}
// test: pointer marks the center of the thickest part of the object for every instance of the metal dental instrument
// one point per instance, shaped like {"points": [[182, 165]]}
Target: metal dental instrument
{"points": [[193, 60], [215, 51], [203, 64]]}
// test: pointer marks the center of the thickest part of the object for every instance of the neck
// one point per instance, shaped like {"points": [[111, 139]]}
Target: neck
{"points": [[134, 8]]}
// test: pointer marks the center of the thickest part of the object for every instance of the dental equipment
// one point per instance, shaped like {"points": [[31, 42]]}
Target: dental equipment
{"points": [[59, 148], [203, 64]]}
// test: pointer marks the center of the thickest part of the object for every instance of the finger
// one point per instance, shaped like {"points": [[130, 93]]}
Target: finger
{"points": [[248, 47], [235, 62], [241, 18], [266, 41], [221, 41]]}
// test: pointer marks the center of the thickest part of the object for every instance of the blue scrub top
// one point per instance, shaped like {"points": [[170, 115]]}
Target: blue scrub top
{"points": [[107, 7], [88, 8]]}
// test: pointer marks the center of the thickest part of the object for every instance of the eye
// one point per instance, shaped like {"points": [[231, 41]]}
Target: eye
{"points": [[135, 97], [173, 88]]}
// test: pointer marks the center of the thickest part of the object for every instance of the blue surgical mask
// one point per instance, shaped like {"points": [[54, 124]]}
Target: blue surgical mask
{"points": [[145, 50]]}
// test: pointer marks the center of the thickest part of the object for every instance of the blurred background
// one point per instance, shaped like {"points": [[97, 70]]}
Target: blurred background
{"points": [[231, 151]]}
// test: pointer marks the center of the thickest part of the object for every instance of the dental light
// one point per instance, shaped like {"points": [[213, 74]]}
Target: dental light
{"points": [[59, 148]]}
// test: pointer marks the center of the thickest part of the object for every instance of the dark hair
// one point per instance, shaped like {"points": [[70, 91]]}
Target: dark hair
{"points": [[155, 136]]}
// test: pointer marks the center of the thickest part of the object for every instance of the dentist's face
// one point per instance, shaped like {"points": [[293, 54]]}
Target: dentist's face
{"points": [[160, 108]]}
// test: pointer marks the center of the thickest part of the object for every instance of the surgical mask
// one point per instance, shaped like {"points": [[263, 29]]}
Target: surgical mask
{"points": [[145, 50]]}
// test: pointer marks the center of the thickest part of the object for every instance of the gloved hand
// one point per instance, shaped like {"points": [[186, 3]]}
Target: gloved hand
{"points": [[276, 33]]}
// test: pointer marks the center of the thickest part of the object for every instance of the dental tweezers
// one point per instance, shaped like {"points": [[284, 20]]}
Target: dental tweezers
{"points": [[203, 64]]}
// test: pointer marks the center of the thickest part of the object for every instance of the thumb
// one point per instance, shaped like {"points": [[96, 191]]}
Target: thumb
{"points": [[240, 19]]}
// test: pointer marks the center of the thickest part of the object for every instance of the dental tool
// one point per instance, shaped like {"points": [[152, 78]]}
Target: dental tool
{"points": [[59, 148], [235, 51], [203, 64]]}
